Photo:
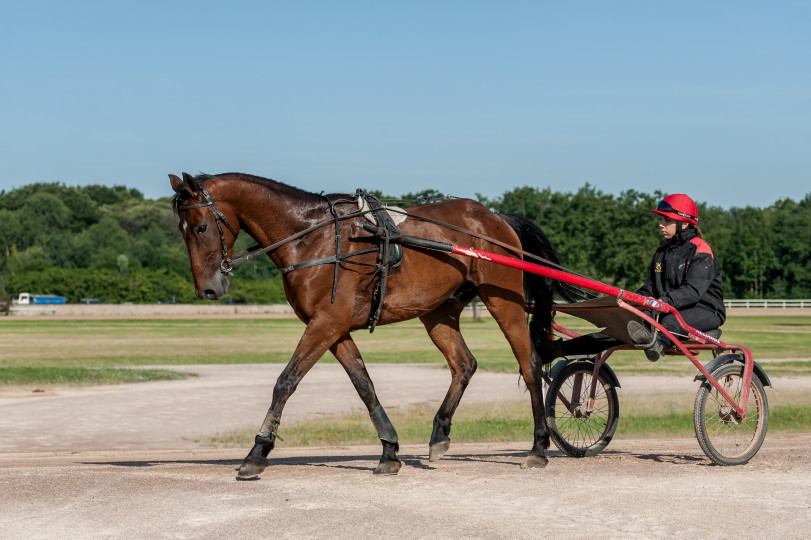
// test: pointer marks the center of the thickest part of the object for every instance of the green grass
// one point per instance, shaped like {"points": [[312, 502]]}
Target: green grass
{"points": [[484, 423], [66, 344], [490, 422], [27, 375]]}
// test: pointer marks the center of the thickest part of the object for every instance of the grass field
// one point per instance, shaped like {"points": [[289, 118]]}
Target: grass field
{"points": [[90, 352], [89, 344]]}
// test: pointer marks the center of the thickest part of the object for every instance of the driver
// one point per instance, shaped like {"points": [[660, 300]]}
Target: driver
{"points": [[683, 273]]}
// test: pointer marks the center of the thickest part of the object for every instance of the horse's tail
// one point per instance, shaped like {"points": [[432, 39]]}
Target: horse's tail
{"points": [[539, 290]]}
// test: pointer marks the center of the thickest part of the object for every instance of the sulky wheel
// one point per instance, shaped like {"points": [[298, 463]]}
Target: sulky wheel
{"points": [[575, 431], [725, 437]]}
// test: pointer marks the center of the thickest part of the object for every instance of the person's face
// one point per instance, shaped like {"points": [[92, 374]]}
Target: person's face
{"points": [[668, 227]]}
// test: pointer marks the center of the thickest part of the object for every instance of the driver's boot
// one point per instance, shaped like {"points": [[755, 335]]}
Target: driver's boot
{"points": [[643, 337]]}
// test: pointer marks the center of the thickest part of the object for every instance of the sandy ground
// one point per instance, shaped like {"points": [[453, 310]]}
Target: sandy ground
{"points": [[120, 462]]}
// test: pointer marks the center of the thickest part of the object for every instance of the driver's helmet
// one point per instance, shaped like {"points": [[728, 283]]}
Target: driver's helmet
{"points": [[679, 207]]}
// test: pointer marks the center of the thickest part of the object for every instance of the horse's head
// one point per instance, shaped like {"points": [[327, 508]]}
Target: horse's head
{"points": [[209, 229]]}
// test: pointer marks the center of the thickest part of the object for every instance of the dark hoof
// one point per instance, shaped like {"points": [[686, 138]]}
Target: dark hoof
{"points": [[252, 466], [438, 450], [534, 461], [388, 467]]}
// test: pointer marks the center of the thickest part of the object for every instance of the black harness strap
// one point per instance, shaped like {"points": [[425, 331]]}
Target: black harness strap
{"points": [[337, 259], [337, 247], [255, 251], [389, 256], [390, 253]]}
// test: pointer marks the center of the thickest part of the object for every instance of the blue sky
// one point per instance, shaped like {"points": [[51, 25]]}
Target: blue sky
{"points": [[707, 98]]}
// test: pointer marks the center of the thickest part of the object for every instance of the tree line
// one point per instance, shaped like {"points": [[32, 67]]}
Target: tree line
{"points": [[113, 245]]}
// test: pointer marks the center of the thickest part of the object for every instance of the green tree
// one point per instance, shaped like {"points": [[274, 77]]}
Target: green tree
{"points": [[791, 227], [754, 256], [74, 241], [10, 233], [43, 218], [103, 242]]}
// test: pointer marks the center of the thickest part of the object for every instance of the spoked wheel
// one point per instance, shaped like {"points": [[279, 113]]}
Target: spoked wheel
{"points": [[725, 437], [574, 430]]}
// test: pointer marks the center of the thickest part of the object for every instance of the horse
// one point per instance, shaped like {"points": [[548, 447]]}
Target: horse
{"points": [[332, 295]]}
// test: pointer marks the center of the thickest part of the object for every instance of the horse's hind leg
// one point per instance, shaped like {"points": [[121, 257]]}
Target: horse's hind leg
{"points": [[443, 328], [507, 308], [348, 355]]}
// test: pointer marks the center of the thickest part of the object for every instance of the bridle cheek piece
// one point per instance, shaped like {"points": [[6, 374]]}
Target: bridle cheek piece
{"points": [[219, 218]]}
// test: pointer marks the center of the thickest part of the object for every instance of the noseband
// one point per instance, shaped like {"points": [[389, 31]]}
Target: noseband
{"points": [[219, 219]]}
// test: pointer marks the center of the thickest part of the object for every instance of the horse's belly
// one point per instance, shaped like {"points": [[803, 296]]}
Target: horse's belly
{"points": [[419, 291]]}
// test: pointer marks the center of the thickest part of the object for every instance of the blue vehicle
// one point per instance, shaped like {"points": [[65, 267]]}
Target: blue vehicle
{"points": [[28, 298]]}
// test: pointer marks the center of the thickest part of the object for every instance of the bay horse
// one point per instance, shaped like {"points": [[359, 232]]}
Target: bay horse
{"points": [[334, 298]]}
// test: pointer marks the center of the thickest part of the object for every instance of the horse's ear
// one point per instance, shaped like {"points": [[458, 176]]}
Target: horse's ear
{"points": [[191, 184], [177, 183]]}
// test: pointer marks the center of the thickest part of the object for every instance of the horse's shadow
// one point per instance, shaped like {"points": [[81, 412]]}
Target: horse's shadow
{"points": [[348, 462], [509, 458]]}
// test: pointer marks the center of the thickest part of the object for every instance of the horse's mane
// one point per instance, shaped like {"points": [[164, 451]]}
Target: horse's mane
{"points": [[268, 183]]}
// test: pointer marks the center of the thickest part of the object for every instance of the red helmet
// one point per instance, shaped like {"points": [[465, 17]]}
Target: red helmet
{"points": [[679, 207]]}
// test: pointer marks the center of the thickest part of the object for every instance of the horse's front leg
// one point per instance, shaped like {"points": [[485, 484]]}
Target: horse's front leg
{"points": [[348, 355], [312, 346]]}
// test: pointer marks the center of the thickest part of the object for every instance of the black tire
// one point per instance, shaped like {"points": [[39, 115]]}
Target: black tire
{"points": [[575, 432], [725, 438]]}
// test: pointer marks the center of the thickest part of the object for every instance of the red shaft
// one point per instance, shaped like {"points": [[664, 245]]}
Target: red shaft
{"points": [[562, 276]]}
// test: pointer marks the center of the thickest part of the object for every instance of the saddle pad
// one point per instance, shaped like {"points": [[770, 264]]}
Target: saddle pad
{"points": [[397, 217]]}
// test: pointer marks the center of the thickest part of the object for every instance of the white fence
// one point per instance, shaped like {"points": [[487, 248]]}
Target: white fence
{"points": [[770, 304], [767, 303]]}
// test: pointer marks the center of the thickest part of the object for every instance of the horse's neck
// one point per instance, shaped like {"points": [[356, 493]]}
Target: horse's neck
{"points": [[270, 211]]}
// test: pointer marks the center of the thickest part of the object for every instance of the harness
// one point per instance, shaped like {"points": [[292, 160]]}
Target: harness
{"points": [[389, 249], [389, 255]]}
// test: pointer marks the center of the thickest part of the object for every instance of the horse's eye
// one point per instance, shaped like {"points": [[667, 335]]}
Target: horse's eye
{"points": [[201, 229]]}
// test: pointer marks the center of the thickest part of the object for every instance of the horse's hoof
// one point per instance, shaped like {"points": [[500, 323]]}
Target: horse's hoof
{"points": [[252, 466], [388, 467], [534, 461], [438, 450]]}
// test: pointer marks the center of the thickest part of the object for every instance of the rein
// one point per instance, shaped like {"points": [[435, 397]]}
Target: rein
{"points": [[253, 252], [484, 237], [229, 264]]}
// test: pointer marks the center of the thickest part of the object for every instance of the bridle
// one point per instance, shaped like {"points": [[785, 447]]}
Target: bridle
{"points": [[219, 218]]}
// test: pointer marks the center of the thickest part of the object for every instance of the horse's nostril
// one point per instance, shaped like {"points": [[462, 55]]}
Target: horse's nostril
{"points": [[210, 294]]}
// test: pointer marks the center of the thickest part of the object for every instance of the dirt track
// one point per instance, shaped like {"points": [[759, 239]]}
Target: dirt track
{"points": [[638, 489], [118, 462]]}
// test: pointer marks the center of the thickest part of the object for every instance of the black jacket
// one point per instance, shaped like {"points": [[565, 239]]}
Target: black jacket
{"points": [[684, 273]]}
